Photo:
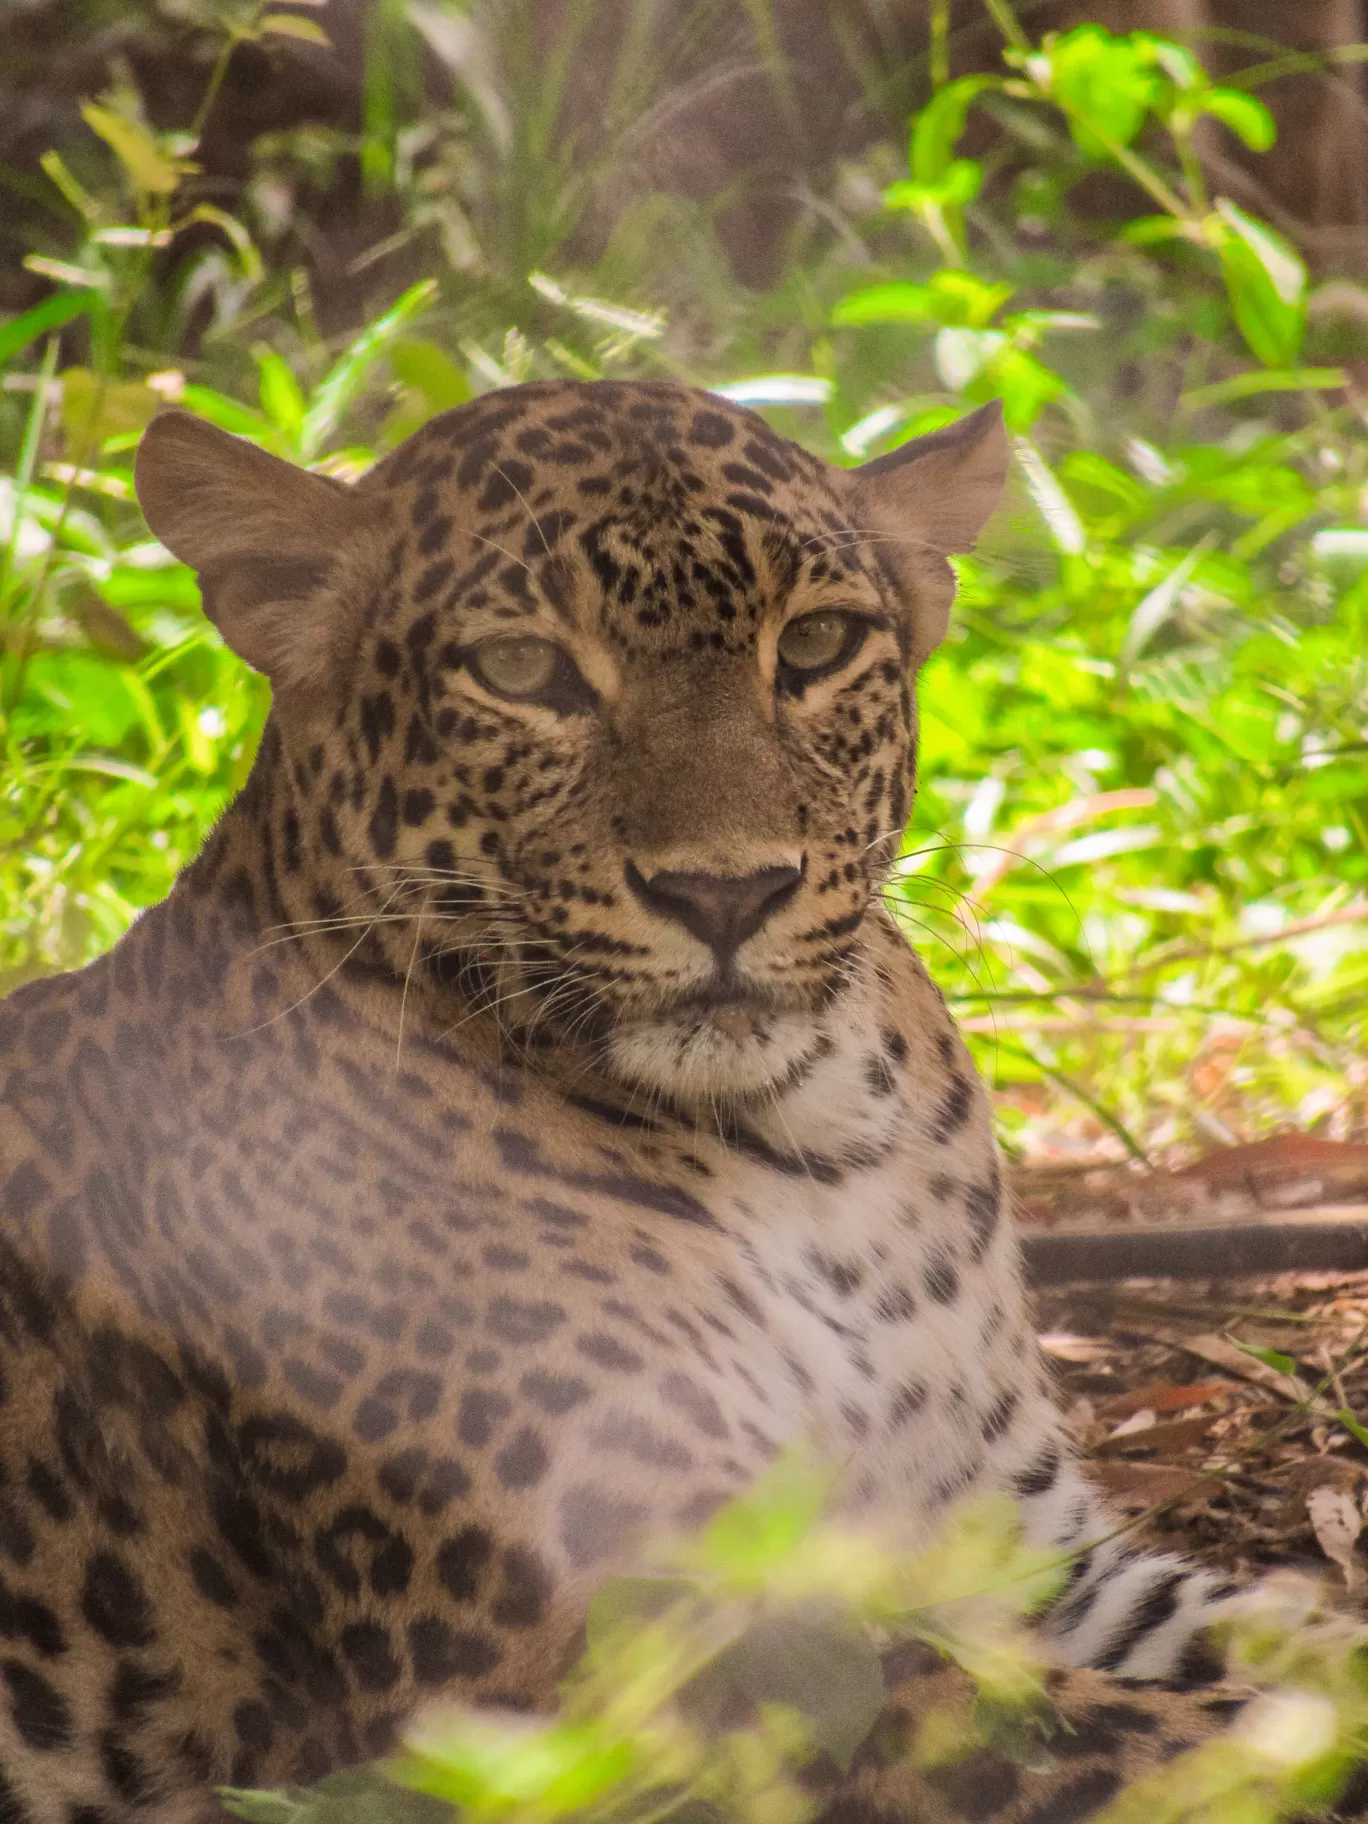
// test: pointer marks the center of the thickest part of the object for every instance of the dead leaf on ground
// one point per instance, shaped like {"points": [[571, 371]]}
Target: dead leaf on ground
{"points": [[1139, 1485], [1224, 1354], [1179, 1435], [1065, 1347], [1166, 1397]]}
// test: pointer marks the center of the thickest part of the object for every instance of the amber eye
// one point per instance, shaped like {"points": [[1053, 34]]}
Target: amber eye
{"points": [[517, 667], [821, 642]]}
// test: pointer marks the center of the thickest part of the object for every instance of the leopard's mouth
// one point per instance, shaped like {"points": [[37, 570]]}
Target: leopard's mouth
{"points": [[731, 1049], [724, 1038]]}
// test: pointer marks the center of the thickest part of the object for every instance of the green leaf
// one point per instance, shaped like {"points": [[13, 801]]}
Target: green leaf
{"points": [[893, 303], [356, 1795], [938, 127], [1155, 607], [1108, 85], [1178, 63], [346, 377], [959, 185], [814, 1660], [281, 398], [71, 188], [293, 25], [62, 272], [1147, 230], [135, 149], [1056, 509], [1024, 384], [226, 413], [1246, 386], [248, 256], [1271, 1358], [94, 408], [60, 308], [1352, 1426], [1246, 116], [429, 370], [747, 1541], [963, 354], [485, 1765], [1266, 282]]}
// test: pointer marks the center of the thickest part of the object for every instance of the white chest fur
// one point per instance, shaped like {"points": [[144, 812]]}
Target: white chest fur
{"points": [[877, 1275]]}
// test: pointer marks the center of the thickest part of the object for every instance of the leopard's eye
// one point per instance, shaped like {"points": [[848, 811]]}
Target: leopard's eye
{"points": [[821, 642], [518, 666]]}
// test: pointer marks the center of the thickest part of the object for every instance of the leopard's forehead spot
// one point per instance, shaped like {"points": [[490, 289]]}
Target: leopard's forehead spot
{"points": [[662, 521]]}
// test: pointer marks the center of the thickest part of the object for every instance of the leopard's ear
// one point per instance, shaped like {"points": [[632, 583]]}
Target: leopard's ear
{"points": [[925, 499], [278, 550]]}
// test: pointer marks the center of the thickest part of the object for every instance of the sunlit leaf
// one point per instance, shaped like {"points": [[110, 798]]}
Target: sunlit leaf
{"points": [[228, 414], [1271, 1358], [348, 375], [959, 184], [71, 188], [1155, 607], [898, 302], [937, 128], [430, 371], [1266, 281], [1056, 509], [94, 408], [52, 313], [477, 1762], [1245, 115], [962, 354], [1250, 385], [85, 279], [1108, 84], [136, 149], [1150, 230], [751, 1536], [236, 232], [281, 397], [777, 389]]}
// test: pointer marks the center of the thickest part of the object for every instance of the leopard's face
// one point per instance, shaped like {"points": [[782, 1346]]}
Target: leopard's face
{"points": [[622, 725]]}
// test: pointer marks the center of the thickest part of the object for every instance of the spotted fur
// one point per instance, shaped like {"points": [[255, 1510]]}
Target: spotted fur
{"points": [[519, 1123]]}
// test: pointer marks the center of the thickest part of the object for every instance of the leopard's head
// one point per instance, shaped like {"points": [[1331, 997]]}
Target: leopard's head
{"points": [[595, 699]]}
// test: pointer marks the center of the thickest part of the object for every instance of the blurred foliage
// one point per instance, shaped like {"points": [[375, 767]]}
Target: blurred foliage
{"points": [[1138, 861], [750, 1652], [715, 1675]]}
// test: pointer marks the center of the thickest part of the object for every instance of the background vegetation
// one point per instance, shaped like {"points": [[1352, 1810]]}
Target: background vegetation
{"points": [[1138, 861]]}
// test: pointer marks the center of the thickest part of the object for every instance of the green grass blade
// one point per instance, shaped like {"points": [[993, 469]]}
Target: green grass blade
{"points": [[345, 379], [62, 307]]}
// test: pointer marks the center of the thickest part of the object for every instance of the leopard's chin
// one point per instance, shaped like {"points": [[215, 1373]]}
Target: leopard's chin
{"points": [[709, 1055]]}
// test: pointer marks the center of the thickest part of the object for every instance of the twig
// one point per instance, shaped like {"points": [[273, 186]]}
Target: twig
{"points": [[1346, 915]]}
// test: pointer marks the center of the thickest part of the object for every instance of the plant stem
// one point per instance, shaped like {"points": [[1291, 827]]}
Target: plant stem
{"points": [[1006, 21], [940, 43]]}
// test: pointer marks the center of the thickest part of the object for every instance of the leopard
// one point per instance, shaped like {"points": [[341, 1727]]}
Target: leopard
{"points": [[523, 1121]]}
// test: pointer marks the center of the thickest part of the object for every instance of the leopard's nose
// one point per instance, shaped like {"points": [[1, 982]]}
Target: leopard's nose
{"points": [[720, 910]]}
